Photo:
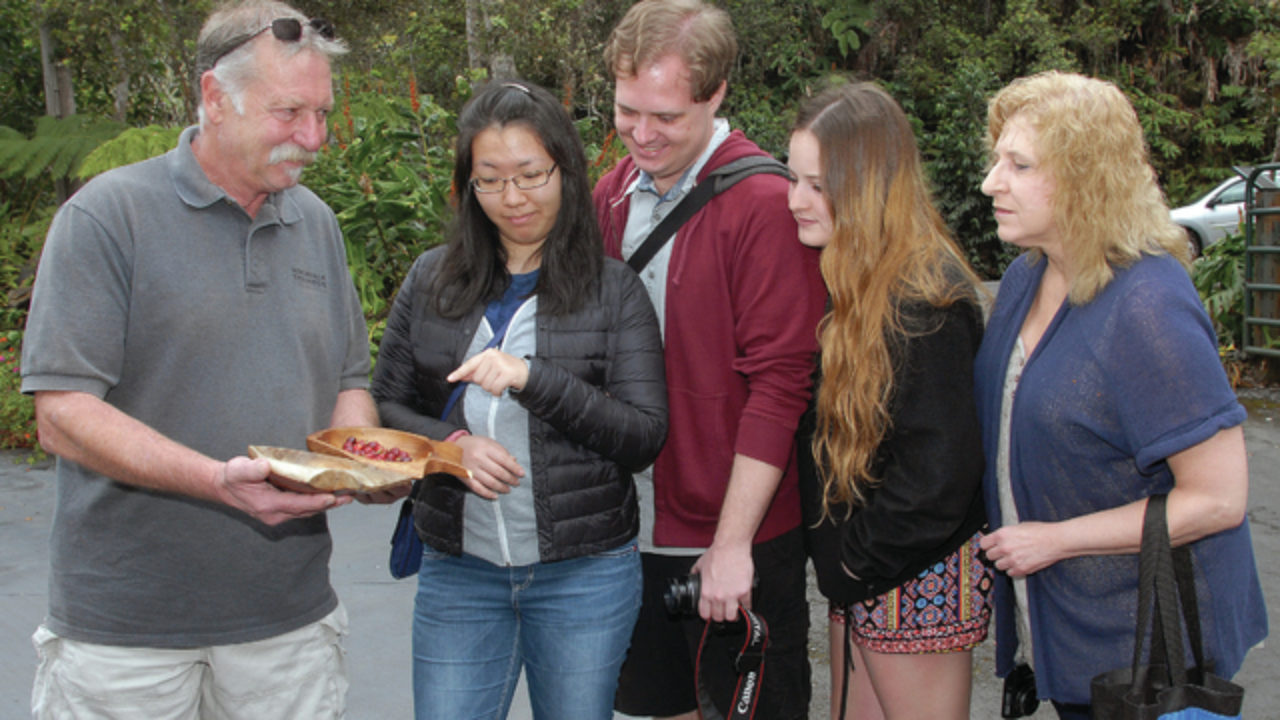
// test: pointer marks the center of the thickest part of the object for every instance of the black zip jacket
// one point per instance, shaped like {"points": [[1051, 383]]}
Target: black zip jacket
{"points": [[930, 463], [596, 398]]}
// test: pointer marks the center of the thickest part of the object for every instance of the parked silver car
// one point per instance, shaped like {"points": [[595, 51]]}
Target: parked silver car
{"points": [[1211, 217], [1219, 212]]}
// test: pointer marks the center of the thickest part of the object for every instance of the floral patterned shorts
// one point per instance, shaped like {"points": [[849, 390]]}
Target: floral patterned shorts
{"points": [[946, 608]]}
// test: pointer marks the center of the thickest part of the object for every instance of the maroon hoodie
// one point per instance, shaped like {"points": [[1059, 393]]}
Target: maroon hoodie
{"points": [[743, 301]]}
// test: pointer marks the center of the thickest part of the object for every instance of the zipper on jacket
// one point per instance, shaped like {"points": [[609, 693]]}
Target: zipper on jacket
{"points": [[504, 543]]}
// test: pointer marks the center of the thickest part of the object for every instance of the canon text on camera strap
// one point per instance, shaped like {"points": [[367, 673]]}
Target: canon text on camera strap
{"points": [[749, 664]]}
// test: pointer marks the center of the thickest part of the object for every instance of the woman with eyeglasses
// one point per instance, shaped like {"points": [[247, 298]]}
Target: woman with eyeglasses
{"points": [[554, 355]]}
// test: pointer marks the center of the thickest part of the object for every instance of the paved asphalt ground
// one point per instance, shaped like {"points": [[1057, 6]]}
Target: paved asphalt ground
{"points": [[380, 608]]}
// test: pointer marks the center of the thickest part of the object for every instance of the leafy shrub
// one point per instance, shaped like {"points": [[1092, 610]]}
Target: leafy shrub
{"points": [[387, 177], [132, 145], [20, 243], [17, 411], [950, 127], [1219, 278]]}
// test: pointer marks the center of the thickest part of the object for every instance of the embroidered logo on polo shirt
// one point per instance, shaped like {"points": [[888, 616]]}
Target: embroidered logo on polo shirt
{"points": [[315, 281]]}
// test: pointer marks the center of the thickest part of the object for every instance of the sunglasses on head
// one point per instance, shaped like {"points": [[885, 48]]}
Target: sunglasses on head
{"points": [[284, 30]]}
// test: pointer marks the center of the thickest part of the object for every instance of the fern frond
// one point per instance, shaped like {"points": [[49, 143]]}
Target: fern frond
{"points": [[58, 146]]}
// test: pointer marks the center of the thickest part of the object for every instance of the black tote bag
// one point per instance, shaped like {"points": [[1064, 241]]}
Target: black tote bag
{"points": [[1165, 688]]}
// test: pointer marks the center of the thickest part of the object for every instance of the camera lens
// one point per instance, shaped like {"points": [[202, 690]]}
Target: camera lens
{"points": [[1025, 701], [1019, 698], [681, 595]]}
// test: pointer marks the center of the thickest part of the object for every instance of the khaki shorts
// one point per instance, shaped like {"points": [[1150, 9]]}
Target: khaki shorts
{"points": [[300, 674]]}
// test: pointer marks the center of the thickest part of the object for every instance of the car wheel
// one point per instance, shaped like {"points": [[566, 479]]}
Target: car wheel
{"points": [[1194, 243]]}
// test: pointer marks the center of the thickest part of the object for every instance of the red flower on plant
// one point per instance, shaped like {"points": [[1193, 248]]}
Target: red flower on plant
{"points": [[604, 147]]}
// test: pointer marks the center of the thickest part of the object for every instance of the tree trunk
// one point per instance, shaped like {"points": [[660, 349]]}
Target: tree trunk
{"points": [[59, 100], [501, 64], [481, 50], [474, 54], [120, 91]]}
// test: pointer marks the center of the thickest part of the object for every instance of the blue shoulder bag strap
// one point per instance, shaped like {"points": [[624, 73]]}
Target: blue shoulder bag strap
{"points": [[494, 342]]}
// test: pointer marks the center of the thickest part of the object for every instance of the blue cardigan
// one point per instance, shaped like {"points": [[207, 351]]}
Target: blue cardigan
{"points": [[1113, 388]]}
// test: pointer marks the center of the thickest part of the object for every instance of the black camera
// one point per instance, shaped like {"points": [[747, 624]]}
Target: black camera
{"points": [[1019, 698], [681, 595]]}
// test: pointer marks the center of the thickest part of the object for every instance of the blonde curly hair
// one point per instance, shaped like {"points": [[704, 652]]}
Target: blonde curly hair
{"points": [[1107, 204]]}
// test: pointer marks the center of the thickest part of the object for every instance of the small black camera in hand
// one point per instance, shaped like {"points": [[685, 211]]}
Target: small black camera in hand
{"points": [[681, 595], [1019, 698]]}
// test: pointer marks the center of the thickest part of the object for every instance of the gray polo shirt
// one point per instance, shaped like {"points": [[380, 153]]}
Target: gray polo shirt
{"points": [[159, 294]]}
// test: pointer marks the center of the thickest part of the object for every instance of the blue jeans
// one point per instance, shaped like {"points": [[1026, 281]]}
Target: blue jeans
{"points": [[567, 623]]}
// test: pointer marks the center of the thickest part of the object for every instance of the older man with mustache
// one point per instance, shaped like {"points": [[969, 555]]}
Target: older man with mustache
{"points": [[186, 307]]}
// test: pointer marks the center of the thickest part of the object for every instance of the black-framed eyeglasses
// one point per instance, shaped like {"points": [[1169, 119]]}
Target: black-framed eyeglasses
{"points": [[284, 30], [530, 180]]}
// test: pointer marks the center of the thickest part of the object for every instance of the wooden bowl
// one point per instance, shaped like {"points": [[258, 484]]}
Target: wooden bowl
{"points": [[428, 456], [309, 472]]}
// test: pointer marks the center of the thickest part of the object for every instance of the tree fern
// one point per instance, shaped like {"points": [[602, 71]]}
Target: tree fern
{"points": [[58, 147]]}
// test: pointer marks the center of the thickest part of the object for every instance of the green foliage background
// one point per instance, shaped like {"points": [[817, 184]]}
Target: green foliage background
{"points": [[1205, 78]]}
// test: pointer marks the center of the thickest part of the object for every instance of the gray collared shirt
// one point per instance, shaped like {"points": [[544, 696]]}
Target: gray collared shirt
{"points": [[648, 208]]}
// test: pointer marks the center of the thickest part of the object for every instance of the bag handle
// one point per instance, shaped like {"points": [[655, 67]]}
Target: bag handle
{"points": [[1184, 573], [1166, 635], [1148, 563], [1166, 583]]}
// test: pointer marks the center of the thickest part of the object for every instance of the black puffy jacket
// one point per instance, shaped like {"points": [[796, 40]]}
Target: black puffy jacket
{"points": [[596, 398]]}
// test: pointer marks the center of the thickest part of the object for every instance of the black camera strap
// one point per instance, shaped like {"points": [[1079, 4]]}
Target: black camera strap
{"points": [[848, 659], [749, 663]]}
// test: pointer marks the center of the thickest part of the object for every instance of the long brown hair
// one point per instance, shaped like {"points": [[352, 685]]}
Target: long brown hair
{"points": [[889, 249]]}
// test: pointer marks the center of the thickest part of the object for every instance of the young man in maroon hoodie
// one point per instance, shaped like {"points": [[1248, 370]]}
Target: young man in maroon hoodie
{"points": [[739, 299]]}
